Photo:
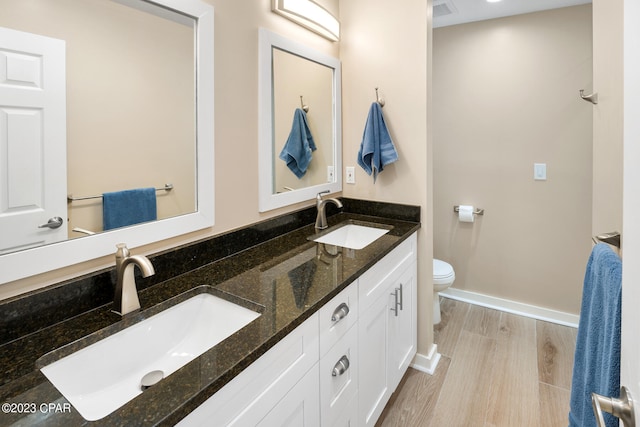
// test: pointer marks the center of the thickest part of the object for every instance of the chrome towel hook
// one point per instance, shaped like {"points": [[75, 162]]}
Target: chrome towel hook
{"points": [[593, 98], [304, 107], [378, 99]]}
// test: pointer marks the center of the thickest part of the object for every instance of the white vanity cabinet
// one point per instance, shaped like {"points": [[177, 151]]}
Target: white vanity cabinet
{"points": [[386, 328], [337, 369]]}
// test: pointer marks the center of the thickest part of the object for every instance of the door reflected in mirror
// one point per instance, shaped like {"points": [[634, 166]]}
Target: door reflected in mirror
{"points": [[300, 153]]}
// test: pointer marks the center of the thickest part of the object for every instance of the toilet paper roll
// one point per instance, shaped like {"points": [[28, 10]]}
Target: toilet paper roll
{"points": [[465, 213]]}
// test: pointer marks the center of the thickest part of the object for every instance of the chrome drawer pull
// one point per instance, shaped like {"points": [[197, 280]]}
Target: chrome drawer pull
{"points": [[340, 367], [401, 297], [340, 312], [395, 304]]}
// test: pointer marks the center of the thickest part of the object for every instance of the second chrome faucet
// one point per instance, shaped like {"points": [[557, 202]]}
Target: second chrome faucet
{"points": [[321, 218]]}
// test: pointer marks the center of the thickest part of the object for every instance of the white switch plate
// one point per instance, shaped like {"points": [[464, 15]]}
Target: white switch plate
{"points": [[540, 171], [330, 174], [351, 175]]}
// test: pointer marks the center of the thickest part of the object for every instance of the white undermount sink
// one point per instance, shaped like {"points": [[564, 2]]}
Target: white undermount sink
{"points": [[352, 236], [102, 377]]}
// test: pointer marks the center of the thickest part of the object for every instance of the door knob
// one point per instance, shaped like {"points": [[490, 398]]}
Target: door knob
{"points": [[54, 222], [621, 408]]}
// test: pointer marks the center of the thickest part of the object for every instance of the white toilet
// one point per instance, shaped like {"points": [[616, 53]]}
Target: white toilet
{"points": [[443, 277]]}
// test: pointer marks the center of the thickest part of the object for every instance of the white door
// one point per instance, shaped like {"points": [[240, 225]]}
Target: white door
{"points": [[630, 363], [33, 181]]}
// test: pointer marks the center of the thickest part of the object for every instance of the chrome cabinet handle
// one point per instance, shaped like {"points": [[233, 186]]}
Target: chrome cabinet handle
{"points": [[340, 367], [340, 312], [621, 408], [399, 301], [54, 222]]}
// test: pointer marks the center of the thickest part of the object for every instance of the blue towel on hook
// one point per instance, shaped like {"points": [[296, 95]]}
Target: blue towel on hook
{"points": [[377, 149], [299, 146], [597, 355], [128, 207]]}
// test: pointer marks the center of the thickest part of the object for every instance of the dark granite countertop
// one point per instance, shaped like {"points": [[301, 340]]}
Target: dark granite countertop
{"points": [[287, 278]]}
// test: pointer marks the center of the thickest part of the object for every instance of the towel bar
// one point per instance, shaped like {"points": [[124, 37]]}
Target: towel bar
{"points": [[70, 198], [456, 209]]}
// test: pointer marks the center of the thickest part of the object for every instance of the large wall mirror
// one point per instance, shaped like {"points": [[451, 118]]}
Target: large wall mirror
{"points": [[295, 78], [123, 95]]}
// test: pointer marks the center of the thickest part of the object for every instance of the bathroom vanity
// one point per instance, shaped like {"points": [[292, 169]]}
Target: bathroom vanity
{"points": [[280, 365]]}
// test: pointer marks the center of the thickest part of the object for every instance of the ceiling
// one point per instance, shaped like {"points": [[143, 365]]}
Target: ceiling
{"points": [[452, 12]]}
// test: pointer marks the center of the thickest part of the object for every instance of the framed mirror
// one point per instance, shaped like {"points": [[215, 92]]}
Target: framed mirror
{"points": [[114, 134], [294, 78]]}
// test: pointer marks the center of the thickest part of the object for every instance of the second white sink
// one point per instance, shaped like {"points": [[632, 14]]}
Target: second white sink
{"points": [[352, 236], [102, 377]]}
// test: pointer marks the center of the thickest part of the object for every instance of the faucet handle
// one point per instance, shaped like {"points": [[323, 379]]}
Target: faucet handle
{"points": [[319, 196], [122, 252]]}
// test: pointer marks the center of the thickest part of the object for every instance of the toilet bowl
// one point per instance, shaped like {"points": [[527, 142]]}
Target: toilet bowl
{"points": [[443, 277]]}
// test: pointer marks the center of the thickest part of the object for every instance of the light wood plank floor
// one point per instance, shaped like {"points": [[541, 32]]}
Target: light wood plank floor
{"points": [[497, 370]]}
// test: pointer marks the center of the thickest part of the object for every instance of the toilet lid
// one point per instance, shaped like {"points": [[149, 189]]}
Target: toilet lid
{"points": [[441, 269]]}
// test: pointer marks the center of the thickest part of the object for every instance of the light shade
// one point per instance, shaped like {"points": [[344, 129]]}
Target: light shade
{"points": [[310, 15]]}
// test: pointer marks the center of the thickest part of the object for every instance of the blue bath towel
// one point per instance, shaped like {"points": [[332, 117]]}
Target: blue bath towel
{"points": [[299, 146], [377, 149], [128, 207], [597, 355]]}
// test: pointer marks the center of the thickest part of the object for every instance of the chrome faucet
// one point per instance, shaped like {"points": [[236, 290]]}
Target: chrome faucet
{"points": [[321, 218], [126, 298]]}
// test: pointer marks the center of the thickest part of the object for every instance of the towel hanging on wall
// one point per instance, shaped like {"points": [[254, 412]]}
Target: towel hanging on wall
{"points": [[377, 149], [597, 355], [299, 146], [128, 207]]}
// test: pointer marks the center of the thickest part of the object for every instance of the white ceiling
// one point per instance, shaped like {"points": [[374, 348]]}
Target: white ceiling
{"points": [[478, 10]]}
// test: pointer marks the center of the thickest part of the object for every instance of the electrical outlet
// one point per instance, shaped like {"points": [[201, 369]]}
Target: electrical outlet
{"points": [[351, 175], [330, 175]]}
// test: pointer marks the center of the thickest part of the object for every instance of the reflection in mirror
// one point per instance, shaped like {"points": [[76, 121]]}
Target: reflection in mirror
{"points": [[293, 76], [138, 104]]}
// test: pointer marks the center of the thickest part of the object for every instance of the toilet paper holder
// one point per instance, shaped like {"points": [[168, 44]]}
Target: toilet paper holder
{"points": [[456, 209]]}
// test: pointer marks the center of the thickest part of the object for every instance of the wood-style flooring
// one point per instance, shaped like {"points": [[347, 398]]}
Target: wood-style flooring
{"points": [[497, 370]]}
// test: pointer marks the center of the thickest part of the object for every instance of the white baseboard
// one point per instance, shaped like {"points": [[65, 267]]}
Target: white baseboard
{"points": [[427, 363], [514, 307]]}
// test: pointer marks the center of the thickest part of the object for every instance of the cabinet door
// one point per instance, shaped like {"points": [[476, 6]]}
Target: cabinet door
{"points": [[373, 381], [402, 325], [300, 407]]}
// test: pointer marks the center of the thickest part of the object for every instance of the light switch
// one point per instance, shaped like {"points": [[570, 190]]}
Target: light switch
{"points": [[540, 171]]}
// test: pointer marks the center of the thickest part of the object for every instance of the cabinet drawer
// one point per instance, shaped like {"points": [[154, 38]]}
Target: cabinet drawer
{"points": [[332, 330], [337, 391], [375, 281]]}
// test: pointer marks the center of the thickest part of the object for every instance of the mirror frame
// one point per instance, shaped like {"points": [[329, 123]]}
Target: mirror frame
{"points": [[266, 153], [29, 262]]}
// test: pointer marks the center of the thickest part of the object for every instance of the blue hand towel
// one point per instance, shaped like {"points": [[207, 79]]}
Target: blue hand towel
{"points": [[597, 356], [128, 207], [299, 146], [377, 149]]}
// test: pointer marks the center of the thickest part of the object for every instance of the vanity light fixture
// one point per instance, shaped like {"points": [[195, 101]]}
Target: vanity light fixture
{"points": [[310, 15]]}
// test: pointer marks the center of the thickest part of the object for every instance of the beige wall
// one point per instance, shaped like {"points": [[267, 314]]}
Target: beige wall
{"points": [[505, 97], [607, 116], [387, 47]]}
